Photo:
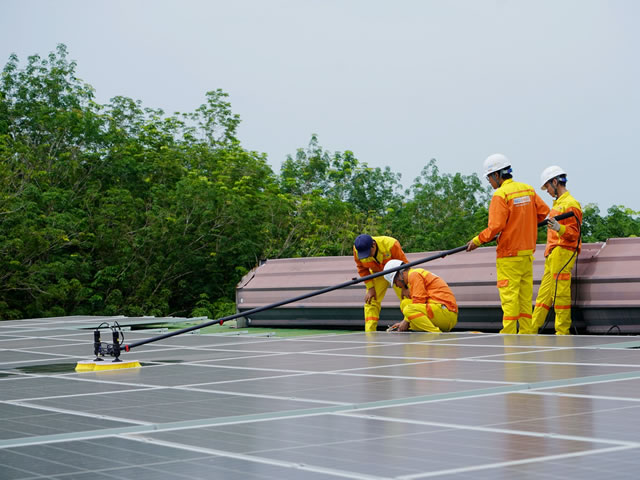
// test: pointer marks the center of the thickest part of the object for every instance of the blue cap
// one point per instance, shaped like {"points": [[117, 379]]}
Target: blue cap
{"points": [[363, 244]]}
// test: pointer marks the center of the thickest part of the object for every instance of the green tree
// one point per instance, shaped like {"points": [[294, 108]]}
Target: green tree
{"points": [[122, 209], [340, 176], [442, 211], [330, 198], [49, 128], [117, 208], [619, 222]]}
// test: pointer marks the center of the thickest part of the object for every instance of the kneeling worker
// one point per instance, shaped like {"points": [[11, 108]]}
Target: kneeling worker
{"points": [[428, 303]]}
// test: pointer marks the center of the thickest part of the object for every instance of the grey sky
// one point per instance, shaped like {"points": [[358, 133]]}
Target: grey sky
{"points": [[542, 81]]}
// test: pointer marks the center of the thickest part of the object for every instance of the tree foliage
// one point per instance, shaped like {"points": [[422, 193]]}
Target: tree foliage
{"points": [[332, 197], [122, 209], [619, 222], [443, 211], [117, 208]]}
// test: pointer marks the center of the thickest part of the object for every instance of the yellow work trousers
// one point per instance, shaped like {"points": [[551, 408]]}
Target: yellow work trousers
{"points": [[372, 310], [515, 284], [554, 272], [431, 317]]}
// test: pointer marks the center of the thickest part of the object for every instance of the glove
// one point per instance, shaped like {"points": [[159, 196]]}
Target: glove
{"points": [[553, 224]]}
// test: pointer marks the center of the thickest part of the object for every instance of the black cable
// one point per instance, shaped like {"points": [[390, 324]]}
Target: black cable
{"points": [[574, 284], [555, 291], [612, 327], [117, 325]]}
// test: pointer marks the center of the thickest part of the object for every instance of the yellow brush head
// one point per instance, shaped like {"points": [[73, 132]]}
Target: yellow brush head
{"points": [[93, 366]]}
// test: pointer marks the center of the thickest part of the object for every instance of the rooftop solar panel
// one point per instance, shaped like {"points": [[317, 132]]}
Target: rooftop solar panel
{"points": [[357, 405]]}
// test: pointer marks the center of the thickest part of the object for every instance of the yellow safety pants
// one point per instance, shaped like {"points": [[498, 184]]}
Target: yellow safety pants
{"points": [[554, 271], [431, 317], [372, 310], [515, 284]]}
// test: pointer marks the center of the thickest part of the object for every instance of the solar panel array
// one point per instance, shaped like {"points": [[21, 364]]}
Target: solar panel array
{"points": [[356, 405]]}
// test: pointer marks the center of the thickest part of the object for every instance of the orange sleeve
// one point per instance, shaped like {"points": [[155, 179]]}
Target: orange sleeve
{"points": [[418, 288], [569, 226], [542, 209], [397, 253], [498, 214]]}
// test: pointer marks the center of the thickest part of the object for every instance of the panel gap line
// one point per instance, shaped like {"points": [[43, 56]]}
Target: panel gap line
{"points": [[257, 459], [89, 394], [260, 395], [26, 363], [24, 350], [588, 397], [201, 363], [431, 379], [491, 429], [512, 463], [568, 415], [540, 362], [298, 413], [66, 411]]}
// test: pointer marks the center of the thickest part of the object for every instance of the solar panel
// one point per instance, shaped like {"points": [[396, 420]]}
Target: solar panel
{"points": [[355, 405]]}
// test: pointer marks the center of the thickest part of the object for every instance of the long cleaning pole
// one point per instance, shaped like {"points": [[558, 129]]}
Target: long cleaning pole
{"points": [[221, 320]]}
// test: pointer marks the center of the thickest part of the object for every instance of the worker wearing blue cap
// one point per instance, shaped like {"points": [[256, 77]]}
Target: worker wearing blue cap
{"points": [[371, 255]]}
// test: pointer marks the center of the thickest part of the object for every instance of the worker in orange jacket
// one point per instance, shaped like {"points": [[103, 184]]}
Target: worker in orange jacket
{"points": [[428, 303], [563, 247], [514, 214], [371, 255]]}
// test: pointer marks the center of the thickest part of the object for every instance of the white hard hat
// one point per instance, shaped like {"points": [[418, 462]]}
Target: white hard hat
{"points": [[550, 173], [495, 163], [388, 266]]}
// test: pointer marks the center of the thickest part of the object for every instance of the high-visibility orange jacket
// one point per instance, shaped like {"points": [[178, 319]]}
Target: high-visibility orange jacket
{"points": [[514, 213], [425, 286], [569, 234], [388, 248]]}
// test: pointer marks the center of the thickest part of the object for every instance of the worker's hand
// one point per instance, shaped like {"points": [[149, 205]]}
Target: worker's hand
{"points": [[553, 224], [403, 326], [471, 245], [370, 295]]}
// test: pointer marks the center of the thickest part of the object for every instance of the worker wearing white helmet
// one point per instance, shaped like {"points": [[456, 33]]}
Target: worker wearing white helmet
{"points": [[563, 247], [514, 213], [428, 303]]}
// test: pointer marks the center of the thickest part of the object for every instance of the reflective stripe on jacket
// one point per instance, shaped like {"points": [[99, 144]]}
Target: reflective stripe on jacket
{"points": [[425, 286], [514, 213], [388, 248], [569, 233]]}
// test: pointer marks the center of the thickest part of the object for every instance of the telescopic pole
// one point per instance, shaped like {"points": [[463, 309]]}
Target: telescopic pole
{"points": [[354, 281]]}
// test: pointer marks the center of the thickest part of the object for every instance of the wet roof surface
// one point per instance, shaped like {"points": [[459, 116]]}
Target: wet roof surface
{"points": [[358, 406]]}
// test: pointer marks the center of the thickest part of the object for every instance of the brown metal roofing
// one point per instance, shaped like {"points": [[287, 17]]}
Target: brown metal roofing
{"points": [[608, 277]]}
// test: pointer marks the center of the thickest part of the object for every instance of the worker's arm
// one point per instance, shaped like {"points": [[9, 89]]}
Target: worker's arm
{"points": [[397, 252], [498, 214], [542, 209], [569, 227]]}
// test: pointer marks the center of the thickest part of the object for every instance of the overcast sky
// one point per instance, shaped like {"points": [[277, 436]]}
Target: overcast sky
{"points": [[397, 82]]}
